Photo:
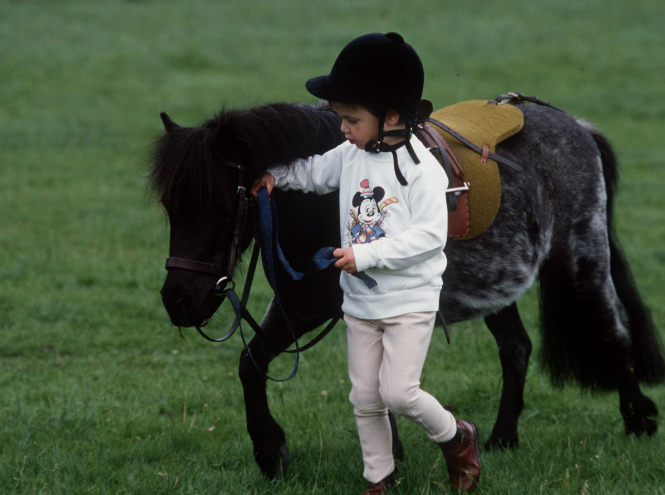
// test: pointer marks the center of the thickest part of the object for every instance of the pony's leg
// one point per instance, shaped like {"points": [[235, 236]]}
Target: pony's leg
{"points": [[636, 408], [514, 351], [398, 449], [268, 439], [587, 337], [644, 344]]}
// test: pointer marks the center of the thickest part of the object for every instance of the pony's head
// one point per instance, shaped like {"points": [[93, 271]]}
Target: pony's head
{"points": [[197, 183], [196, 174]]}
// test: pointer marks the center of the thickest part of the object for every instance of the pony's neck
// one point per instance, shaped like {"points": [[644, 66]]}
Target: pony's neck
{"points": [[278, 134]]}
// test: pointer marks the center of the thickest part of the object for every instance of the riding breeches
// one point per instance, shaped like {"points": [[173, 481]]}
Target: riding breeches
{"points": [[386, 359]]}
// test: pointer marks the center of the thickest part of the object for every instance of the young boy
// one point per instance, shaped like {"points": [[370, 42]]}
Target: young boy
{"points": [[394, 227]]}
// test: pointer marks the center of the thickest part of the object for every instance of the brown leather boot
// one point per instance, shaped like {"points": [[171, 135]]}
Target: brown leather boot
{"points": [[461, 454], [382, 486]]}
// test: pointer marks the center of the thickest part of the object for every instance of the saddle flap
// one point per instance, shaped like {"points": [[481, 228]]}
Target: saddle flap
{"points": [[484, 124]]}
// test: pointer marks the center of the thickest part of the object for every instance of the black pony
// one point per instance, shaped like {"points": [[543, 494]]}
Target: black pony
{"points": [[555, 221]]}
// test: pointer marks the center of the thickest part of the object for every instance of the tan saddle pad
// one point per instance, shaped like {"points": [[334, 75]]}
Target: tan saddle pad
{"points": [[483, 123]]}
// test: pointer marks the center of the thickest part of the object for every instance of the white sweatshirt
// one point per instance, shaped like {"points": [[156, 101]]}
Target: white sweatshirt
{"points": [[397, 232]]}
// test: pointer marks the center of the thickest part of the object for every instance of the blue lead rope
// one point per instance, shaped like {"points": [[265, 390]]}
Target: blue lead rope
{"points": [[320, 261]]}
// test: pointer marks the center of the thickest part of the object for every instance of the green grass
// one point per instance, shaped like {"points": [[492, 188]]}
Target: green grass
{"points": [[100, 395]]}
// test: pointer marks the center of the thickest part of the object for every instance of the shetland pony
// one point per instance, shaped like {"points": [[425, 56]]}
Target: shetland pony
{"points": [[554, 222]]}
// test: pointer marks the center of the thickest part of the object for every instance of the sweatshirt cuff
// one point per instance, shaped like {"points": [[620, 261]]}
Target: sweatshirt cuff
{"points": [[365, 256], [280, 173]]}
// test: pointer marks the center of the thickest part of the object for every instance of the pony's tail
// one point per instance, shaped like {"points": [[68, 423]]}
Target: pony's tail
{"points": [[577, 344], [647, 349]]}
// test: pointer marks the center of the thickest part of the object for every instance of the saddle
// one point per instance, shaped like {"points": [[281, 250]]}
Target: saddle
{"points": [[463, 138]]}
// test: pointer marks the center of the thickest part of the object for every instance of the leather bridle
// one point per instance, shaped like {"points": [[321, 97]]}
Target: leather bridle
{"points": [[226, 275]]}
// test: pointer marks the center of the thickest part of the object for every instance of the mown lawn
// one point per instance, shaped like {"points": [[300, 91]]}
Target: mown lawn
{"points": [[99, 394]]}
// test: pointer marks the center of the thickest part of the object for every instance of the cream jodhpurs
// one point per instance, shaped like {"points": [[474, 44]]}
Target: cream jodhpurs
{"points": [[386, 358]]}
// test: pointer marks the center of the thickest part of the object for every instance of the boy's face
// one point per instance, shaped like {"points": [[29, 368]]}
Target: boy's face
{"points": [[359, 125]]}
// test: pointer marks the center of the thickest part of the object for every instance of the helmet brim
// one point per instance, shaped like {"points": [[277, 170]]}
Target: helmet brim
{"points": [[321, 88]]}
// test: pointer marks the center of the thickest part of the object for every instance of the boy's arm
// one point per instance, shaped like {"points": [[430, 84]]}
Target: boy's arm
{"points": [[426, 234], [319, 173]]}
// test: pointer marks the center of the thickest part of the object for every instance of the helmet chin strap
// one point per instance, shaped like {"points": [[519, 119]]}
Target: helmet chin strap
{"points": [[379, 146]]}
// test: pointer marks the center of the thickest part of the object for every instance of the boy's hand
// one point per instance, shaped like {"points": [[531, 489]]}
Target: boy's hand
{"points": [[266, 180], [346, 261]]}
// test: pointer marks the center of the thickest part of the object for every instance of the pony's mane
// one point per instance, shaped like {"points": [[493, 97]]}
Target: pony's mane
{"points": [[188, 169]]}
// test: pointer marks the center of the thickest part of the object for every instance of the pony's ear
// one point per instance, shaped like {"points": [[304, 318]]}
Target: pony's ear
{"points": [[169, 125]]}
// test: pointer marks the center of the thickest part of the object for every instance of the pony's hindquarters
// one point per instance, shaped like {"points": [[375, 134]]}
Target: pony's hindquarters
{"points": [[646, 347], [596, 329]]}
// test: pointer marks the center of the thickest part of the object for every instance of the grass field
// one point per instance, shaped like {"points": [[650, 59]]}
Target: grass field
{"points": [[99, 394]]}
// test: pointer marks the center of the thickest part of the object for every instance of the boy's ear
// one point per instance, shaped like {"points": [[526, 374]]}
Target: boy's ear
{"points": [[392, 117]]}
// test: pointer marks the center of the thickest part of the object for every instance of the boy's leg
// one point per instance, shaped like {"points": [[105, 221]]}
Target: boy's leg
{"points": [[365, 353], [405, 344]]}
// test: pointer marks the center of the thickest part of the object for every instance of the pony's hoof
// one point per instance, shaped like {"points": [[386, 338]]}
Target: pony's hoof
{"points": [[649, 407], [274, 466], [639, 427], [637, 420], [501, 443], [398, 452]]}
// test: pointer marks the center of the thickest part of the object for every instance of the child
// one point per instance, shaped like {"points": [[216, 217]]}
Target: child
{"points": [[393, 226]]}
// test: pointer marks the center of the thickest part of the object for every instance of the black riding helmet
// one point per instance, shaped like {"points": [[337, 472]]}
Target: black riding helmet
{"points": [[381, 72]]}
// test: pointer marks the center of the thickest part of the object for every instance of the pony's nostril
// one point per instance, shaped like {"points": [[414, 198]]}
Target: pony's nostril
{"points": [[183, 303], [180, 307]]}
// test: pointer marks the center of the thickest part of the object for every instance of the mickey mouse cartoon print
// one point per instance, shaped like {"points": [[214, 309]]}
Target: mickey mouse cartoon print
{"points": [[368, 215]]}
